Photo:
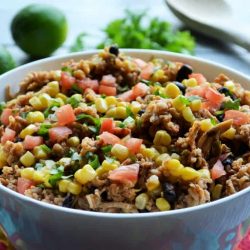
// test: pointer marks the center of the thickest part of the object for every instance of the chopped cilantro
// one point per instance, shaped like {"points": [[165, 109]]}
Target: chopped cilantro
{"points": [[45, 148], [76, 89], [106, 149], [213, 121], [44, 129], [73, 101], [67, 69], [55, 178], [96, 121], [129, 111], [121, 125], [231, 104]]}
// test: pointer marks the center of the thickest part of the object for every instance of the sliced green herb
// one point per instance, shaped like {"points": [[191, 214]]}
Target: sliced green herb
{"points": [[122, 125], [106, 149], [219, 112], [45, 148], [96, 121], [94, 162], [50, 108], [74, 102], [67, 177], [76, 89], [67, 69], [44, 129], [213, 121], [128, 121], [231, 104], [55, 178], [129, 111], [158, 93], [2, 106], [184, 100]]}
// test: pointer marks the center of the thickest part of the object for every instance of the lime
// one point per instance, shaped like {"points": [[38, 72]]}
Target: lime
{"points": [[6, 61], [39, 29]]}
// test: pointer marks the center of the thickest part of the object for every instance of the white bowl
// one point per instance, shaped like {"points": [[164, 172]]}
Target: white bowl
{"points": [[34, 225]]}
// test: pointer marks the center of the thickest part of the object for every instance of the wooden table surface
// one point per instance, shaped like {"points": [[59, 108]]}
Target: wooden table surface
{"points": [[92, 15]]}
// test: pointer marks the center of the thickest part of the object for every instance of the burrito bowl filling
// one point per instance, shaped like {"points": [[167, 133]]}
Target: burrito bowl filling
{"points": [[117, 134]]}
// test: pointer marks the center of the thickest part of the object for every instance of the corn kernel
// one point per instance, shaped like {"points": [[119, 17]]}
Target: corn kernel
{"points": [[111, 101], [158, 75], [36, 103], [73, 141], [27, 173], [101, 105], [120, 152], [161, 149], [162, 204], [62, 96], [195, 105], [230, 85], [53, 88], [178, 103], [229, 134], [189, 174], [172, 90], [161, 158], [36, 116], [39, 153], [216, 191], [63, 185], [175, 156], [122, 104], [204, 173], [38, 177], [150, 153], [46, 181], [141, 201], [173, 166], [188, 114], [135, 107], [162, 137], [121, 113], [28, 159], [190, 82], [206, 125], [111, 113], [85, 175], [29, 130], [45, 100], [3, 157], [74, 188], [152, 182], [106, 167]]}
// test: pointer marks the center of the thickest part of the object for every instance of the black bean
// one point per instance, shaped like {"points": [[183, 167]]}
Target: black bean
{"points": [[228, 161], [220, 117], [169, 192], [141, 112], [183, 73], [180, 86], [114, 50], [226, 92], [68, 201]]}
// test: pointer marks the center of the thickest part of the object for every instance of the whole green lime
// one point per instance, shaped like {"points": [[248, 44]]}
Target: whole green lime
{"points": [[6, 60], [39, 29]]}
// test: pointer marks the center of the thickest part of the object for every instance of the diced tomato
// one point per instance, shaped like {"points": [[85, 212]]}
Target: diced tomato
{"points": [[140, 63], [134, 145], [140, 89], [23, 184], [108, 80], [32, 141], [199, 91], [108, 125], [217, 170], [88, 83], [58, 134], [65, 115], [214, 96], [125, 174], [8, 135], [209, 105], [239, 118], [199, 77], [106, 90], [127, 96], [67, 81], [5, 116], [147, 71], [109, 138]]}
